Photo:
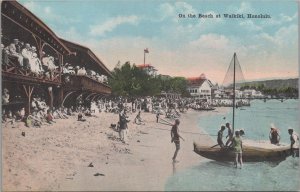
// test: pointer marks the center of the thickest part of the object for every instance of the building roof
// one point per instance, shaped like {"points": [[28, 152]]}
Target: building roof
{"points": [[196, 82], [87, 53], [17, 13]]}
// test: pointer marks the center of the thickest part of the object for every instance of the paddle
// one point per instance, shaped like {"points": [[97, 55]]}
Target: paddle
{"points": [[214, 146]]}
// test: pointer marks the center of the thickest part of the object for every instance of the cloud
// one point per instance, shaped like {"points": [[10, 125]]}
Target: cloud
{"points": [[30, 5], [244, 7], [281, 19], [250, 26], [49, 14], [211, 41], [109, 25], [168, 10]]}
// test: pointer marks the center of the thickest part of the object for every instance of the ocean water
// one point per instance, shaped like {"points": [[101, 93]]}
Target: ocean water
{"points": [[261, 176]]}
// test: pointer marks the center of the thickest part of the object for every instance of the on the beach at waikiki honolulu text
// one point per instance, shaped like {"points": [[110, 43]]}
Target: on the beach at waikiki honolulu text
{"points": [[224, 15]]}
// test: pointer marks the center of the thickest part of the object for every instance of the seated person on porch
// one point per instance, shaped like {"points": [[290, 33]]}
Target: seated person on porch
{"points": [[35, 63], [49, 63], [4, 55], [82, 71], [5, 96], [12, 51], [27, 54]]}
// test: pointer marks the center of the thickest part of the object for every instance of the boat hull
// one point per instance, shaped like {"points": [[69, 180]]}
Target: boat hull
{"points": [[250, 153]]}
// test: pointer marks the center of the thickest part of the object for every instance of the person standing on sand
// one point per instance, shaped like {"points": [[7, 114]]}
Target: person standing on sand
{"points": [[157, 117], [123, 125], [238, 148], [175, 137]]}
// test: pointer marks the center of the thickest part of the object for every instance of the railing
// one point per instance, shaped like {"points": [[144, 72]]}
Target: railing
{"points": [[84, 83], [11, 68]]}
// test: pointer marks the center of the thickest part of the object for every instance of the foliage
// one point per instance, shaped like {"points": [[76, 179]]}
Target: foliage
{"points": [[282, 91], [129, 80]]}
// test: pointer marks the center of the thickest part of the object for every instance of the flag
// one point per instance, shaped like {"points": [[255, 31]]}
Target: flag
{"points": [[146, 50]]}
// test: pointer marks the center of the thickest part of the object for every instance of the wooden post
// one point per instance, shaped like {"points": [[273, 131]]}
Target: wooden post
{"points": [[60, 96], [51, 97], [28, 94]]}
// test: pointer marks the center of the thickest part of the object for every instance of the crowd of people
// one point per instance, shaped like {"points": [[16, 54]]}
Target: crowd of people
{"points": [[172, 108], [25, 56], [234, 141], [81, 71], [228, 102]]}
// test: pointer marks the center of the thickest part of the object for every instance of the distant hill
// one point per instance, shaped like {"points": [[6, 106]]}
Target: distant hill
{"points": [[276, 83]]}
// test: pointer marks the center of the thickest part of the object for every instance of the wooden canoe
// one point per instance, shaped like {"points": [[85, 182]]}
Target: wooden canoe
{"points": [[204, 109], [251, 153]]}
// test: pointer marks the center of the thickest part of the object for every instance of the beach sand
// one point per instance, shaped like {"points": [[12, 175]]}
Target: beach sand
{"points": [[57, 157]]}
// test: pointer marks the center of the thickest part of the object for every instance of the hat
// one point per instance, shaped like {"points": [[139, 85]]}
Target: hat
{"points": [[27, 45]]}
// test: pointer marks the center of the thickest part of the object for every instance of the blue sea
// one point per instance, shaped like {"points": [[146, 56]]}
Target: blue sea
{"points": [[262, 176]]}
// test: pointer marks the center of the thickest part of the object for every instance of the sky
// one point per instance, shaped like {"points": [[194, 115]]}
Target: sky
{"points": [[120, 30]]}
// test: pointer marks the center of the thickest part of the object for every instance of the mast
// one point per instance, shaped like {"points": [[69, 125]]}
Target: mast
{"points": [[233, 104]]}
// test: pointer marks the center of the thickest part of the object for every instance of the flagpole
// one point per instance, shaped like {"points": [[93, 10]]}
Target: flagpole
{"points": [[144, 58]]}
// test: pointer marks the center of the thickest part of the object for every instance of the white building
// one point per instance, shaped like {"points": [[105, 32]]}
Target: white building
{"points": [[252, 93], [200, 87]]}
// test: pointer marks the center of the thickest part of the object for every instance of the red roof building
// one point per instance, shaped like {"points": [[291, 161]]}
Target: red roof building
{"points": [[200, 87]]}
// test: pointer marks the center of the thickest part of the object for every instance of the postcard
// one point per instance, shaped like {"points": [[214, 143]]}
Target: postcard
{"points": [[131, 95]]}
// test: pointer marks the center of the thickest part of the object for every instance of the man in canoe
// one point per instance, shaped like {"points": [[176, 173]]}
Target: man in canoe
{"points": [[220, 136], [175, 136], [238, 148], [294, 143], [274, 136]]}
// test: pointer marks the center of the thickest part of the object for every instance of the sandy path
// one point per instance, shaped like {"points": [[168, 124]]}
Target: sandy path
{"points": [[56, 157]]}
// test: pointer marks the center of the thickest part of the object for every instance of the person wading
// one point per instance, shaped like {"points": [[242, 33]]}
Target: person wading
{"points": [[175, 136], [274, 136], [294, 143], [238, 148], [229, 135], [220, 137]]}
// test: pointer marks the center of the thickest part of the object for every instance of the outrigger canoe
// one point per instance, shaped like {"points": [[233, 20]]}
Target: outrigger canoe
{"points": [[252, 152], [205, 109]]}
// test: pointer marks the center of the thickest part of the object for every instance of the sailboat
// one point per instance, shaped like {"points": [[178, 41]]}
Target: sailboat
{"points": [[253, 151]]}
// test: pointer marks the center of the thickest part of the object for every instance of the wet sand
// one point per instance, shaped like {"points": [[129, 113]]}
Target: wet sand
{"points": [[57, 157]]}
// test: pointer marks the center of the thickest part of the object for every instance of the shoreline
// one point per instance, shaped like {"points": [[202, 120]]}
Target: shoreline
{"points": [[56, 157]]}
